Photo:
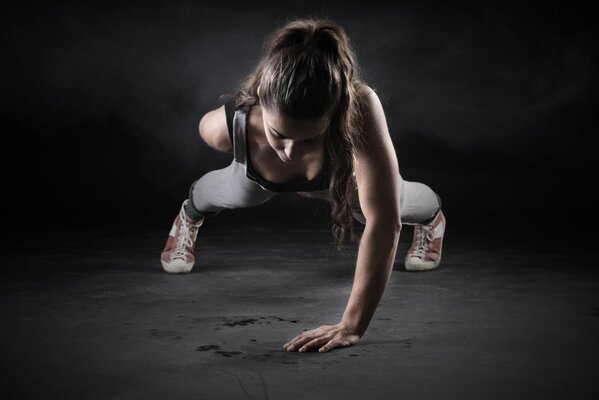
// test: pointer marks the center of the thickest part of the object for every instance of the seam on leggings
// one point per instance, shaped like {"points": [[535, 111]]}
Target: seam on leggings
{"points": [[190, 204]]}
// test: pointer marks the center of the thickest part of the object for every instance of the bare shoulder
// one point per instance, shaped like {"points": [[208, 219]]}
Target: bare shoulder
{"points": [[375, 129], [365, 90], [215, 131]]}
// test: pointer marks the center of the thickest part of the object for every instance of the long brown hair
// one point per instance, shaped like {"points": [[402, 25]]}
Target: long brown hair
{"points": [[309, 69]]}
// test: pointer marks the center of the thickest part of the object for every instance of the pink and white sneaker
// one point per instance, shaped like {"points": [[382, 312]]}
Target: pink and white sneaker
{"points": [[178, 254], [425, 252]]}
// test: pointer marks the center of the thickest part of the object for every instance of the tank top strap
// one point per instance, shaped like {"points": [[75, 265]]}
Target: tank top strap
{"points": [[239, 136], [236, 123], [229, 113]]}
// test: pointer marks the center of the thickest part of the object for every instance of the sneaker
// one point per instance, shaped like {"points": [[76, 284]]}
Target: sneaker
{"points": [[178, 254], [425, 252]]}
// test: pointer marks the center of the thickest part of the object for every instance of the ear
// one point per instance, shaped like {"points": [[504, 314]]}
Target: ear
{"points": [[258, 91]]}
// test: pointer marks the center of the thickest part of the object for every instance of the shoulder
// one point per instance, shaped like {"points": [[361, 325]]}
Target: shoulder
{"points": [[370, 105], [364, 90], [214, 129], [374, 120]]}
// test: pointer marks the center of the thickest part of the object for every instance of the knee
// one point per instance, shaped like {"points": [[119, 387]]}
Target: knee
{"points": [[191, 209]]}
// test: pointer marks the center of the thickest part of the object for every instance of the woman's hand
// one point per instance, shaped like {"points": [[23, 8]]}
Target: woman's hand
{"points": [[327, 336]]}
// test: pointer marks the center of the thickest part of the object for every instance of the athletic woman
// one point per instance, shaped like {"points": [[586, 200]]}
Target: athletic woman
{"points": [[304, 121]]}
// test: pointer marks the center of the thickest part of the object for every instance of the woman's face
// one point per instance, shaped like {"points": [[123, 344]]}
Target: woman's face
{"points": [[294, 139]]}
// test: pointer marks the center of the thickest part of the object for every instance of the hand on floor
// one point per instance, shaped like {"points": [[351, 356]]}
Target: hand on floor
{"points": [[327, 336]]}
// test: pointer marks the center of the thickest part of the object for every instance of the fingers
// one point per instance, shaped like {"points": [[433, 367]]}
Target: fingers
{"points": [[298, 342], [291, 345], [302, 338], [329, 346], [305, 342], [313, 343], [336, 342]]}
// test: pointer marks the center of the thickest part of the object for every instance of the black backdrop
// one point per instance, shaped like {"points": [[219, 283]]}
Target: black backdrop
{"points": [[492, 105]]}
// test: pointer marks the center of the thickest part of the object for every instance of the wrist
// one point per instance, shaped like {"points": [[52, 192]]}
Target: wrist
{"points": [[352, 328]]}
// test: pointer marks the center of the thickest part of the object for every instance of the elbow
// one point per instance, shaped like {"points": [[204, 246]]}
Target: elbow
{"points": [[387, 224], [393, 224], [396, 226]]}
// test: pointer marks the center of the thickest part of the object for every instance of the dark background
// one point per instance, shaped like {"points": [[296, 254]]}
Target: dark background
{"points": [[493, 105]]}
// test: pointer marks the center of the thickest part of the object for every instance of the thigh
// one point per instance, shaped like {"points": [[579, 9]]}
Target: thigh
{"points": [[419, 202], [229, 188]]}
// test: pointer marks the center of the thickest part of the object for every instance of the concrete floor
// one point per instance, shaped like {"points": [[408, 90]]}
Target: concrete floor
{"points": [[90, 314]]}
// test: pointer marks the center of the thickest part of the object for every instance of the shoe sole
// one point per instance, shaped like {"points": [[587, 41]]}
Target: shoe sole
{"points": [[176, 268], [420, 267]]}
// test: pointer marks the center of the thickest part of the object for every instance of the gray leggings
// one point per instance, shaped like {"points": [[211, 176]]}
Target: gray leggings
{"points": [[231, 188]]}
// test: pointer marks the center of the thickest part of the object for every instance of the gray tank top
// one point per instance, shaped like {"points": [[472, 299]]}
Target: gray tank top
{"points": [[237, 125]]}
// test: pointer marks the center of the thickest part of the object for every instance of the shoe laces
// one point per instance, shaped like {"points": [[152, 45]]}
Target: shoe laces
{"points": [[184, 238], [424, 236]]}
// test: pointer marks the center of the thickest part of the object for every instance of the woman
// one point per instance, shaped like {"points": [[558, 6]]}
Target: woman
{"points": [[305, 122]]}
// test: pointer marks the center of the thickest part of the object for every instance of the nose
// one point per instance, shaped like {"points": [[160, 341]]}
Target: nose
{"points": [[293, 151]]}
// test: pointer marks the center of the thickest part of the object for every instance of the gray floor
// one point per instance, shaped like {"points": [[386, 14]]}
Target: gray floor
{"points": [[90, 314]]}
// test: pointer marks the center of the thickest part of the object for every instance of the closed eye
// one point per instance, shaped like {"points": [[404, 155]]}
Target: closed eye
{"points": [[313, 140]]}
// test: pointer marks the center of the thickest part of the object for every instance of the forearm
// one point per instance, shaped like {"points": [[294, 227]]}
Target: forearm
{"points": [[376, 255]]}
